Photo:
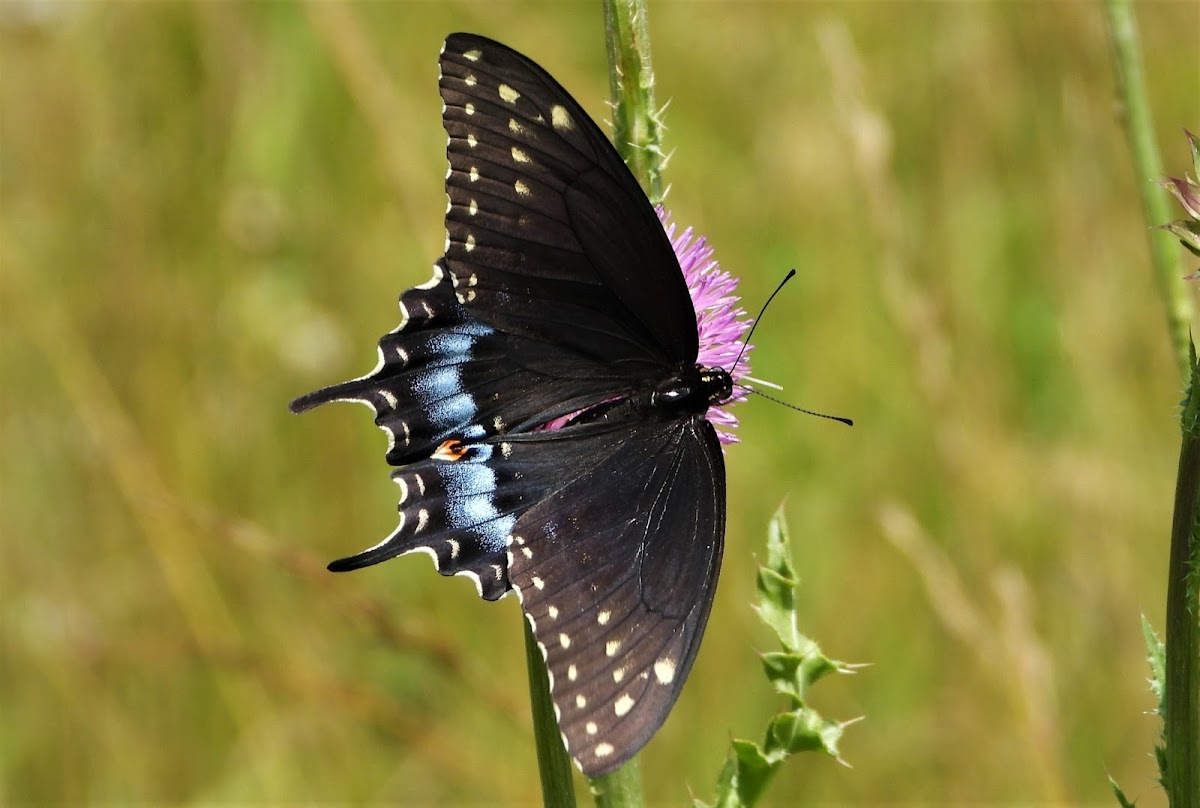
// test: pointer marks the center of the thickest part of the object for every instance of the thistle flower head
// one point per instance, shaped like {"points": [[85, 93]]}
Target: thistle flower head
{"points": [[721, 323]]}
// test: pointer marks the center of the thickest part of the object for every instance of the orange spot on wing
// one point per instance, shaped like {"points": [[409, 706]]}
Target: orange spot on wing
{"points": [[450, 450]]}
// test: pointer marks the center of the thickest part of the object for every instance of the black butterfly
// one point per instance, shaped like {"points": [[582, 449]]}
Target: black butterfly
{"points": [[559, 296]]}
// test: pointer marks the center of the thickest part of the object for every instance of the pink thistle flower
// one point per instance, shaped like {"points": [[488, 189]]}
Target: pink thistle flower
{"points": [[722, 324]]}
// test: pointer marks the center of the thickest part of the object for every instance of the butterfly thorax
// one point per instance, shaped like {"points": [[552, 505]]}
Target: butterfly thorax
{"points": [[693, 390]]}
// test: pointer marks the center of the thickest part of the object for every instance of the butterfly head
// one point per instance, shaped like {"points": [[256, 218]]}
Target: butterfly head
{"points": [[694, 390], [717, 384]]}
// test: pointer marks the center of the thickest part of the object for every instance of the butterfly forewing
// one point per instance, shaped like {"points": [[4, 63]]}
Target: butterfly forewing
{"points": [[549, 235], [616, 569]]}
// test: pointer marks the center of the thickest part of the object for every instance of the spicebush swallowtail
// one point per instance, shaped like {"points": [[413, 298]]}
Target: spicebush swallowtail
{"points": [[559, 302]]}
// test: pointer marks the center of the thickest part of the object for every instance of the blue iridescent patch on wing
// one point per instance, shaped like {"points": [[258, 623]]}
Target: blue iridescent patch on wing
{"points": [[470, 486]]}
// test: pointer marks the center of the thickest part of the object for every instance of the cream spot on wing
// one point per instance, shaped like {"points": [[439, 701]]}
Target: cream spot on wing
{"points": [[572, 673], [519, 156], [611, 647], [420, 479], [537, 582], [509, 94], [618, 674], [580, 701], [474, 174], [470, 79], [623, 705], [602, 618], [473, 208], [664, 671], [471, 141], [552, 611], [604, 749], [564, 640], [591, 728], [525, 551], [560, 118], [515, 127], [473, 55], [422, 520], [506, 449], [469, 109], [454, 547], [470, 244], [521, 188]]}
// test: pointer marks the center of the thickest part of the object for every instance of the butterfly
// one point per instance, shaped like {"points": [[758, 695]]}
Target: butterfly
{"points": [[545, 409]]}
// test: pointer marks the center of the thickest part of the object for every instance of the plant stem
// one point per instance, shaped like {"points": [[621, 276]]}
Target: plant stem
{"points": [[637, 129], [637, 135], [1135, 108], [553, 764], [620, 788], [1180, 761], [1181, 698]]}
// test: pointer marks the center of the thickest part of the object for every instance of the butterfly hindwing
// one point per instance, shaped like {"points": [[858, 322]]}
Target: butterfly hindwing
{"points": [[445, 379], [443, 374]]}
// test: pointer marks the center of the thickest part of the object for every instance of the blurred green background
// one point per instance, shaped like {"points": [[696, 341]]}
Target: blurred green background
{"points": [[209, 208]]}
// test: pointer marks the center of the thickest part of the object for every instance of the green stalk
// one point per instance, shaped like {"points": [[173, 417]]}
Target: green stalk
{"points": [[637, 135], [1135, 108], [620, 788], [1179, 758], [1181, 698], [637, 127], [558, 790]]}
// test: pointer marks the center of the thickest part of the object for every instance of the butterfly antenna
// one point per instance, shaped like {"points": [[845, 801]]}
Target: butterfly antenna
{"points": [[838, 418], [746, 342]]}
